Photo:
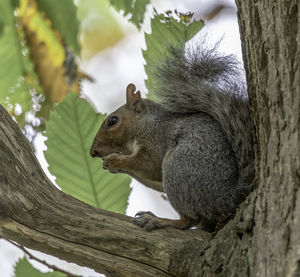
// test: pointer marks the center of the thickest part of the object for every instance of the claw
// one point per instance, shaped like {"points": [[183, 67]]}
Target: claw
{"points": [[142, 213]]}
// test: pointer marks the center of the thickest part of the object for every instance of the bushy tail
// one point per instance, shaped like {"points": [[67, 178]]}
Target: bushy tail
{"points": [[203, 81]]}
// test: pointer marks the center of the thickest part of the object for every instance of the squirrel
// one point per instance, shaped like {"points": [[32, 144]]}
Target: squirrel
{"points": [[194, 142]]}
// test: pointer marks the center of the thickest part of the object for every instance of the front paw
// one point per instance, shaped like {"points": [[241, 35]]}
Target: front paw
{"points": [[112, 163]]}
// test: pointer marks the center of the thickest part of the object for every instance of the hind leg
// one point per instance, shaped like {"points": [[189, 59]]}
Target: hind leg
{"points": [[149, 221]]}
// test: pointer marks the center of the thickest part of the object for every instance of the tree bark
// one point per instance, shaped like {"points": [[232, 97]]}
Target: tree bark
{"points": [[271, 49], [263, 239]]}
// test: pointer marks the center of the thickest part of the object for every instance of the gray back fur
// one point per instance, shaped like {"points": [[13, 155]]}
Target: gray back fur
{"points": [[203, 81]]}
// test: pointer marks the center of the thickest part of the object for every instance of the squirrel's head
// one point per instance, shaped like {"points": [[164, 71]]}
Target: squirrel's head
{"points": [[118, 130]]}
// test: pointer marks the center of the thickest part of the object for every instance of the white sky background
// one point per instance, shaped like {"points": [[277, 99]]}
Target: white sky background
{"points": [[113, 69]]}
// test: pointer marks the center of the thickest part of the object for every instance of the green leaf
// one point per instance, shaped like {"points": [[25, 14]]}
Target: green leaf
{"points": [[100, 28], [17, 76], [71, 130], [11, 68], [135, 8], [23, 268], [63, 16], [15, 3], [166, 31], [27, 90]]}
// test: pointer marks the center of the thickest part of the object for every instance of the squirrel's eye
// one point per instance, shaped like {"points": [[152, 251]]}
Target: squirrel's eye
{"points": [[112, 121]]}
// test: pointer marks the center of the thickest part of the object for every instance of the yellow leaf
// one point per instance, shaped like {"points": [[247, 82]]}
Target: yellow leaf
{"points": [[48, 53]]}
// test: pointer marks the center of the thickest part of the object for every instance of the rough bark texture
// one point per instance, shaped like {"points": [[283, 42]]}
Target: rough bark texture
{"points": [[271, 42], [262, 240]]}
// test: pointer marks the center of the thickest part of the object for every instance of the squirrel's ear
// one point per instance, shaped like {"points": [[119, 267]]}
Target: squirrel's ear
{"points": [[134, 100]]}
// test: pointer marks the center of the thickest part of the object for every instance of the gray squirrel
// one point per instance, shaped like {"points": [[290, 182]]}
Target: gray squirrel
{"points": [[194, 143]]}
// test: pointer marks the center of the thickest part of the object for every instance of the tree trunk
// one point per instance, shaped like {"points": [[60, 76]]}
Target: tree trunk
{"points": [[271, 33], [262, 240]]}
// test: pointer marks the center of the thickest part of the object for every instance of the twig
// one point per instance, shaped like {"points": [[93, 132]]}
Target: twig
{"points": [[53, 267]]}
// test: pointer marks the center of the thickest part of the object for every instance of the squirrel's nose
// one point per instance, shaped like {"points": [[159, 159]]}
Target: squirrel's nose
{"points": [[94, 153]]}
